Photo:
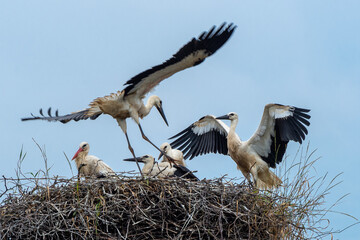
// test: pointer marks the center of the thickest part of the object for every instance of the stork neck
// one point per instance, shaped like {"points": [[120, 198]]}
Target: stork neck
{"points": [[148, 167], [145, 110], [233, 125], [232, 132], [79, 159]]}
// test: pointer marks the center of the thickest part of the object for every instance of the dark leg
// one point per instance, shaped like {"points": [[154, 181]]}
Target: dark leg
{"points": [[254, 175], [148, 140], [133, 153]]}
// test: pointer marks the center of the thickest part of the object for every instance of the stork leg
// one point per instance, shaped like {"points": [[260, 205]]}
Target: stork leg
{"points": [[254, 173], [148, 140], [133, 153], [246, 175]]}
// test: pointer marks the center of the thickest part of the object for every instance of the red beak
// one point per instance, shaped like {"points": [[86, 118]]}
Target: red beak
{"points": [[77, 153]]}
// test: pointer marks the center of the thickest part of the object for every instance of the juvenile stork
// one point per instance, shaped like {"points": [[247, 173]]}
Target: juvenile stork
{"points": [[266, 148], [89, 165], [129, 102], [163, 169], [175, 155]]}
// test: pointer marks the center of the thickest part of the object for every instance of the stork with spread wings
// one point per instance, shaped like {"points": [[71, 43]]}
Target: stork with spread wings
{"points": [[279, 125], [128, 103]]}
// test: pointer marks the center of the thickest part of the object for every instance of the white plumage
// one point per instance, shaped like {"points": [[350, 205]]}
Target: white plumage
{"points": [[175, 155], [89, 165], [162, 169]]}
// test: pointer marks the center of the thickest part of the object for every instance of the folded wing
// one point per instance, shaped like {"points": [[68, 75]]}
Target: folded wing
{"points": [[103, 170], [184, 172]]}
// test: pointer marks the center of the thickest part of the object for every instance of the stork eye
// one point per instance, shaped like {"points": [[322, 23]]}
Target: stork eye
{"points": [[231, 114], [160, 102], [84, 145], [146, 156]]}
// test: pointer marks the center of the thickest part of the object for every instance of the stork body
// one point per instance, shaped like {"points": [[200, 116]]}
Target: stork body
{"points": [[89, 165], [249, 161], [176, 156], [128, 103], [266, 148], [163, 169]]}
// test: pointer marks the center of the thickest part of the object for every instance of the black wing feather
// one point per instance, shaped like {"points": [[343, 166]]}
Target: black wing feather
{"points": [[193, 145], [198, 148], [182, 132], [80, 115], [184, 172], [203, 145], [206, 41], [277, 149], [287, 129], [179, 142]]}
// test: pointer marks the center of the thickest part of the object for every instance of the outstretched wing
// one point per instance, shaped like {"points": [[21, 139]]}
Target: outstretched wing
{"points": [[279, 125], [76, 116], [92, 112], [192, 54], [204, 136]]}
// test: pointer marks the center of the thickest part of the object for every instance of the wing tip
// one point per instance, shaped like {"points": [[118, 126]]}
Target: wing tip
{"points": [[43, 117]]}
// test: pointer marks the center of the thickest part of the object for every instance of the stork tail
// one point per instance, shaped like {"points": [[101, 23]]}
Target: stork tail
{"points": [[268, 180]]}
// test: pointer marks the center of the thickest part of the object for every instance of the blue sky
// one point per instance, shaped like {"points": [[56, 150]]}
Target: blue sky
{"points": [[64, 54]]}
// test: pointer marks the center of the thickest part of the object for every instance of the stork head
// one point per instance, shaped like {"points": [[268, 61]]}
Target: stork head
{"points": [[156, 101], [84, 147], [144, 159], [230, 116], [165, 147]]}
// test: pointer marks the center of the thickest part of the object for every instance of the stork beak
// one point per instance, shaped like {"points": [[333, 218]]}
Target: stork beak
{"points": [[225, 117], [139, 159], [77, 153], [161, 111], [160, 155]]}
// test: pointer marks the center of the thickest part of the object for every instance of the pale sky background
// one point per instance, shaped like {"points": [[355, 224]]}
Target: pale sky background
{"points": [[63, 54]]}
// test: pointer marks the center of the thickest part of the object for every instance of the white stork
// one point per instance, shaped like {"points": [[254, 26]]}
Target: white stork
{"points": [[163, 169], [266, 148], [89, 165], [129, 102], [176, 156]]}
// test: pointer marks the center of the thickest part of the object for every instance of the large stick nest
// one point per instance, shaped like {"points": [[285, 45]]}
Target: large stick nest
{"points": [[128, 208]]}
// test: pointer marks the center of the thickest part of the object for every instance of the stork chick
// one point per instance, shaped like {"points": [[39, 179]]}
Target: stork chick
{"points": [[89, 165], [163, 169], [176, 155]]}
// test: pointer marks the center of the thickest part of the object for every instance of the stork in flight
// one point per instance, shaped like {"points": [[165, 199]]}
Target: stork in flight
{"points": [[89, 165], [163, 169], [266, 148], [129, 102]]}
